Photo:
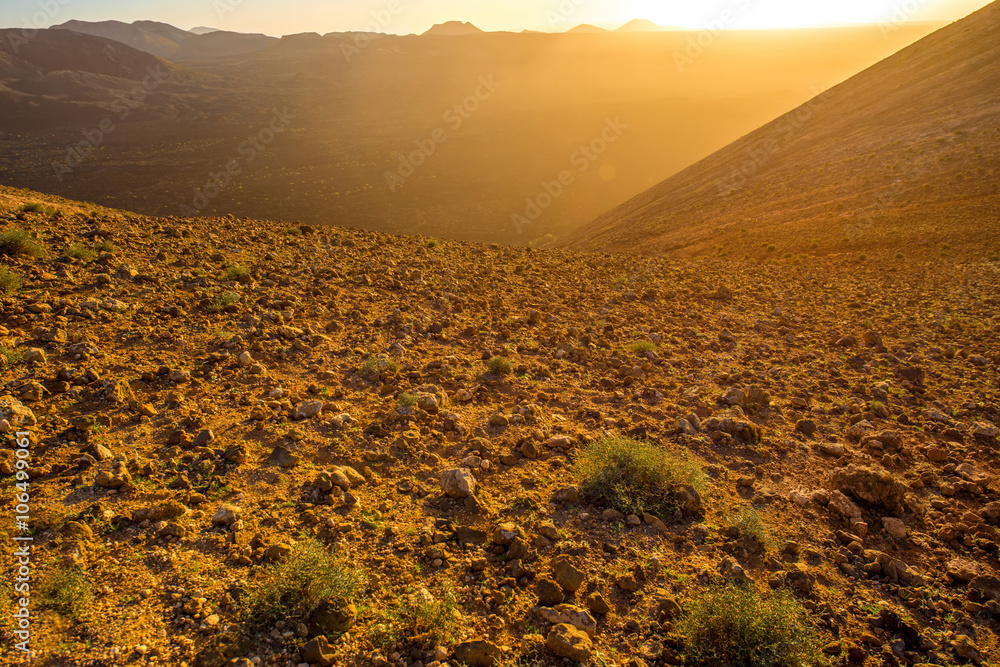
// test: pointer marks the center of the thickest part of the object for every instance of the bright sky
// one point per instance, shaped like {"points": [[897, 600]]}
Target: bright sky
{"points": [[277, 17]]}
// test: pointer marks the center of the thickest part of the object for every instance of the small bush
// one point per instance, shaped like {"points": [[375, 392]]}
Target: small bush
{"points": [[10, 282], [643, 346], [68, 592], [37, 207], [105, 245], [238, 273], [738, 627], [375, 367], [900, 255], [14, 242], [499, 366], [407, 400], [294, 587], [220, 302], [770, 247], [750, 524], [419, 614], [10, 356], [432, 244], [295, 231], [80, 252], [636, 476]]}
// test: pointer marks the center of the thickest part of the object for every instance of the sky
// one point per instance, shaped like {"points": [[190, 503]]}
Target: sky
{"points": [[279, 17]]}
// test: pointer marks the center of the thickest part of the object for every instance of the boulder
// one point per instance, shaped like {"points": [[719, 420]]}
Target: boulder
{"points": [[458, 483]]}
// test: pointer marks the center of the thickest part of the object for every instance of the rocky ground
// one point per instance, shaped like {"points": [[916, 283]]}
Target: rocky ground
{"points": [[210, 400]]}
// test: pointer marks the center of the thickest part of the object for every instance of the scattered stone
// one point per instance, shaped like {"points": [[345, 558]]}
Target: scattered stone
{"points": [[458, 483], [478, 654], [567, 642]]}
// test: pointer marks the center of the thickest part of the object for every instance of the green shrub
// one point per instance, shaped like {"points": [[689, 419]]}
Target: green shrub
{"points": [[407, 400], [14, 242], [105, 245], [418, 614], [294, 231], [37, 207], [738, 627], [10, 356], [10, 282], [499, 366], [68, 592], [432, 244], [238, 273], [750, 524], [375, 367], [220, 302], [643, 346], [81, 252], [295, 586], [636, 476]]}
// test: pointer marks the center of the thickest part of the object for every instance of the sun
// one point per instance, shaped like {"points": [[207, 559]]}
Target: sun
{"points": [[757, 14]]}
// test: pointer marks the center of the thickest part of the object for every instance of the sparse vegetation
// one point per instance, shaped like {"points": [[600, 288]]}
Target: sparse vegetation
{"points": [[10, 282], [643, 346], [11, 356], [69, 592], [499, 366], [750, 525], [636, 476], [220, 302], [738, 627], [105, 245], [292, 588], [17, 242], [238, 273], [407, 400], [418, 613], [37, 207], [81, 252], [375, 367]]}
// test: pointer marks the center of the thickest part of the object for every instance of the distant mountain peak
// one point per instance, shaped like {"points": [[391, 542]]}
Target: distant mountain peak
{"points": [[454, 28], [641, 25], [586, 27], [203, 30]]}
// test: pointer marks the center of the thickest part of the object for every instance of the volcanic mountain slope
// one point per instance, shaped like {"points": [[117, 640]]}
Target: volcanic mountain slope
{"points": [[908, 149], [361, 110], [341, 447], [453, 28], [169, 42]]}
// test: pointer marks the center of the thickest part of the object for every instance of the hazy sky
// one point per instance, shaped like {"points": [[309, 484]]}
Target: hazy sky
{"points": [[277, 17]]}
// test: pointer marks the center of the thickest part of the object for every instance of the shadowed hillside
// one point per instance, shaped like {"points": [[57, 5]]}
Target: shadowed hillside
{"points": [[359, 147]]}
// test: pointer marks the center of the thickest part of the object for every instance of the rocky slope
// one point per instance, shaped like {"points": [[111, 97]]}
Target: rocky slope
{"points": [[907, 148], [209, 399]]}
